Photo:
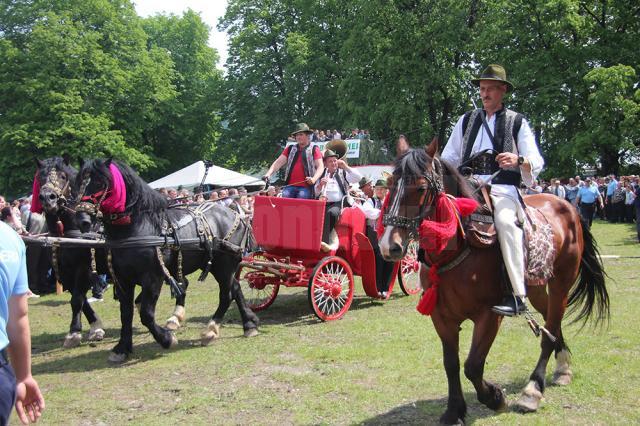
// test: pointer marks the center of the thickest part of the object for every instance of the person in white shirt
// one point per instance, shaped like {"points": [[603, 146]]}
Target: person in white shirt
{"points": [[504, 144], [371, 209], [333, 186]]}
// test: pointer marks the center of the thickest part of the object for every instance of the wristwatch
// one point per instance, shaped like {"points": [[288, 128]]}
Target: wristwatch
{"points": [[520, 160]]}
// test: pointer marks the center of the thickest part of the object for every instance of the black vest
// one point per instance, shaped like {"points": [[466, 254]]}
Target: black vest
{"points": [[501, 142]]}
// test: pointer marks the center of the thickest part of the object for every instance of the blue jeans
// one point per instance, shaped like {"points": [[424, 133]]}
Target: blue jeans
{"points": [[290, 191], [7, 390]]}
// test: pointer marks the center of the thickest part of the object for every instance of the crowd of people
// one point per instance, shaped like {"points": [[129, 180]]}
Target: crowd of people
{"points": [[610, 198], [318, 135]]}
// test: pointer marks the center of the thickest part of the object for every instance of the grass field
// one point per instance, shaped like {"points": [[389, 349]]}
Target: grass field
{"points": [[380, 364]]}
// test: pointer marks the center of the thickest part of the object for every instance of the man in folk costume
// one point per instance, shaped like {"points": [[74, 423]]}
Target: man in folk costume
{"points": [[333, 186], [515, 158], [304, 165]]}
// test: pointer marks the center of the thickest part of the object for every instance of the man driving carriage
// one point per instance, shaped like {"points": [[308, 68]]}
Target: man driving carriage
{"points": [[514, 158], [304, 165], [333, 186]]}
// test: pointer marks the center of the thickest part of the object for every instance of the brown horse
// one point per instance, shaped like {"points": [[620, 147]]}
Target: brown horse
{"points": [[469, 286]]}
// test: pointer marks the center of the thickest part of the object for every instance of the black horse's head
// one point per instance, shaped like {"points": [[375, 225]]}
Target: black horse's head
{"points": [[417, 180], [55, 177], [94, 181], [98, 189]]}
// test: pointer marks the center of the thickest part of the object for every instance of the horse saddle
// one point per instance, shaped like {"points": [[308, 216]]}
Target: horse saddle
{"points": [[479, 227]]}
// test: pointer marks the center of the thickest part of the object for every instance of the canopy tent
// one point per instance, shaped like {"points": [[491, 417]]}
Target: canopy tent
{"points": [[191, 176]]}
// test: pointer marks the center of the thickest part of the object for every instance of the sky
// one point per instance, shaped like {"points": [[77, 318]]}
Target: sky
{"points": [[210, 11]]}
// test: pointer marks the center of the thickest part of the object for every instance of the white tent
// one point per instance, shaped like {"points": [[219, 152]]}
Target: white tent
{"points": [[191, 176]]}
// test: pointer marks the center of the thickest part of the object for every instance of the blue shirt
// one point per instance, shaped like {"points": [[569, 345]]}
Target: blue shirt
{"points": [[588, 194], [13, 274], [611, 187]]}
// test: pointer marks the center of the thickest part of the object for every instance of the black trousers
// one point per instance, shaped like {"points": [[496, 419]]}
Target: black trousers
{"points": [[331, 216], [586, 211], [384, 269]]}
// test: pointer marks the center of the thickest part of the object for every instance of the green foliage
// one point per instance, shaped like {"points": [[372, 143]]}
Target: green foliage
{"points": [[77, 78]]}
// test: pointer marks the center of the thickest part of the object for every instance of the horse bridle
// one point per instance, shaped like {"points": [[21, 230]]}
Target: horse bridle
{"points": [[432, 187], [53, 185], [90, 204]]}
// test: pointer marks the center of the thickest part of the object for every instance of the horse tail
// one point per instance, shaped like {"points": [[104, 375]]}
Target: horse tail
{"points": [[590, 291]]}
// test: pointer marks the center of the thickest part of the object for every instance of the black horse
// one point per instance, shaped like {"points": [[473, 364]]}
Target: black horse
{"points": [[72, 265], [212, 238]]}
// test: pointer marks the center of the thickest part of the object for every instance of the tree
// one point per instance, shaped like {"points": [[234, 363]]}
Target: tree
{"points": [[190, 123], [77, 78]]}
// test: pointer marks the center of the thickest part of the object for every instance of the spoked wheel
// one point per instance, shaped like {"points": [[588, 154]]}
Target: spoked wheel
{"points": [[331, 288], [258, 288], [409, 270]]}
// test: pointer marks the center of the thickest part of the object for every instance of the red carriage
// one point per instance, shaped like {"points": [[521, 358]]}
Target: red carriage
{"points": [[288, 232]]}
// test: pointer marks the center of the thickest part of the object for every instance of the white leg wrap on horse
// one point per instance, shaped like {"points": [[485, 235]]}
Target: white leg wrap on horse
{"points": [[211, 333], [175, 320], [511, 237], [562, 375], [96, 331], [72, 340], [179, 313], [532, 390]]}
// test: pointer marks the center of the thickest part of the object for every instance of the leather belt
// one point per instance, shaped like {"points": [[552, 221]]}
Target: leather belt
{"points": [[484, 164]]}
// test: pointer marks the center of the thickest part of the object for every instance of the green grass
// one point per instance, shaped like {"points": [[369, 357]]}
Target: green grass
{"points": [[380, 364]]}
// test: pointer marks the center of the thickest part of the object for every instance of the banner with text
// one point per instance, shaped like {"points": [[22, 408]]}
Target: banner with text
{"points": [[353, 146]]}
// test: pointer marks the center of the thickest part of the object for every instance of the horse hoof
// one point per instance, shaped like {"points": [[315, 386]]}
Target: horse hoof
{"points": [[252, 332], [451, 420], [211, 333], [529, 401], [561, 379], [172, 324], [72, 340], [174, 341], [117, 358], [95, 335]]}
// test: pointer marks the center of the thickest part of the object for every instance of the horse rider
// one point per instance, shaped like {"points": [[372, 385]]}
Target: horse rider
{"points": [[333, 186], [371, 209], [304, 165], [515, 158]]}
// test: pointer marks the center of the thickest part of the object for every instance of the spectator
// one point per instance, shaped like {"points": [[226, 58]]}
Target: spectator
{"points": [[557, 189], [17, 384], [611, 187], [6, 215], [213, 196], [637, 206], [271, 191], [336, 134], [629, 200], [617, 204], [586, 200], [535, 188], [572, 191]]}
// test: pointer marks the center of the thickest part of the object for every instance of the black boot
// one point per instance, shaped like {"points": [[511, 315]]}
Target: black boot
{"points": [[510, 306]]}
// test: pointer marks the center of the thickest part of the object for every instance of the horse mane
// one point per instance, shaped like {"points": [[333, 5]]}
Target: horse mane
{"points": [[414, 162], [142, 200]]}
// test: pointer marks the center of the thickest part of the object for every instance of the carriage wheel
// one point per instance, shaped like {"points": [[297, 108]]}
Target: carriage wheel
{"points": [[409, 270], [331, 288], [258, 294]]}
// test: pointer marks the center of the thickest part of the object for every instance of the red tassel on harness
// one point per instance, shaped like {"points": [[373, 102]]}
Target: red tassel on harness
{"points": [[60, 228], [429, 298]]}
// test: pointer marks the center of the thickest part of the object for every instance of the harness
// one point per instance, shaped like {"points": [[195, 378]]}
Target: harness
{"points": [[432, 187]]}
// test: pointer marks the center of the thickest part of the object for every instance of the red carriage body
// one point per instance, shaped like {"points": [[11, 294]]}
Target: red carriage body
{"points": [[289, 232]]}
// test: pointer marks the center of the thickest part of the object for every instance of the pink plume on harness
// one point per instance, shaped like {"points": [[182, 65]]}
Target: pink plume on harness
{"points": [[116, 200], [36, 205]]}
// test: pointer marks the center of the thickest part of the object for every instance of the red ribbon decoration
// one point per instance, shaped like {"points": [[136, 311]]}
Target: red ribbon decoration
{"points": [[434, 237]]}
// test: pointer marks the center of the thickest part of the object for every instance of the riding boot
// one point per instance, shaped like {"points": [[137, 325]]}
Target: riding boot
{"points": [[511, 306]]}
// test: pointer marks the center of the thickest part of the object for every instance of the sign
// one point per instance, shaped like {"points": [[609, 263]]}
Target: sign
{"points": [[353, 146]]}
